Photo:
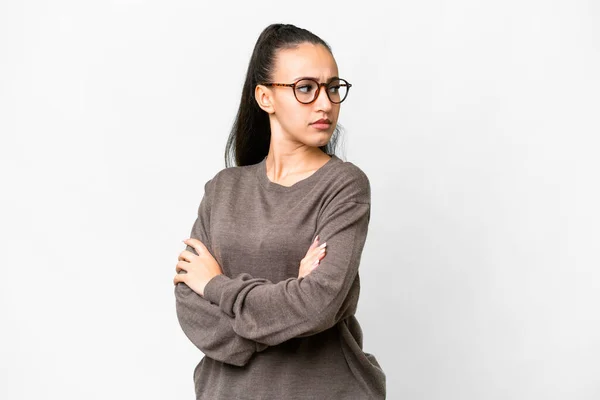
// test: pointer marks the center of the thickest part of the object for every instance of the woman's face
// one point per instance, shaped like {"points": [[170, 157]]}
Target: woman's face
{"points": [[291, 119]]}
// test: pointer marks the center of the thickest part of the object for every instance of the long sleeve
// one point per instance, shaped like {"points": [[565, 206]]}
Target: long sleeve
{"points": [[205, 324], [272, 313]]}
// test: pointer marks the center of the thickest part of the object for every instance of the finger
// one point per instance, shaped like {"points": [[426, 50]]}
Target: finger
{"points": [[315, 243], [196, 244], [320, 249], [319, 255], [179, 278], [182, 266], [186, 255]]}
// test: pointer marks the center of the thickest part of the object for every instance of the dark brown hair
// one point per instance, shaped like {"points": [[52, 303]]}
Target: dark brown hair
{"points": [[250, 136]]}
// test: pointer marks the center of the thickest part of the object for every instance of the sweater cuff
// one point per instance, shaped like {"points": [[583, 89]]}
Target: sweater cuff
{"points": [[214, 288]]}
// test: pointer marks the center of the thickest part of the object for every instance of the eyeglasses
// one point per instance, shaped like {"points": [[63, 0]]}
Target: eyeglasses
{"points": [[307, 90]]}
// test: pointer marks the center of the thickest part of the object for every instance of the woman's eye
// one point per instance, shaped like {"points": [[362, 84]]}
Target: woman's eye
{"points": [[334, 89], [304, 88]]}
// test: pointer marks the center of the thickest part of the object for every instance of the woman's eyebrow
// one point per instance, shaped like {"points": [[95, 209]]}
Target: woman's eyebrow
{"points": [[316, 79]]}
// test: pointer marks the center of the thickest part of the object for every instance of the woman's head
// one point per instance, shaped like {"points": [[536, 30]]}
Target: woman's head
{"points": [[283, 53]]}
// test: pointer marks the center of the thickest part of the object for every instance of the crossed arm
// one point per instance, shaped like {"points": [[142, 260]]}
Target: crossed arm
{"points": [[204, 323], [243, 315]]}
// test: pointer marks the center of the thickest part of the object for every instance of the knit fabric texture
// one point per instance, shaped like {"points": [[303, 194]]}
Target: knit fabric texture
{"points": [[264, 332]]}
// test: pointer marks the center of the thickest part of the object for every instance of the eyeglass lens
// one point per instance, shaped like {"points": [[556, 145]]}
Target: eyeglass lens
{"points": [[306, 90]]}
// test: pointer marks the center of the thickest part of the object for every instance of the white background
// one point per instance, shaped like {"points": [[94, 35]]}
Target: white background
{"points": [[476, 122]]}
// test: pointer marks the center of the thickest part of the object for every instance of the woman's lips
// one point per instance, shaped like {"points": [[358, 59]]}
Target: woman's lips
{"points": [[321, 125]]}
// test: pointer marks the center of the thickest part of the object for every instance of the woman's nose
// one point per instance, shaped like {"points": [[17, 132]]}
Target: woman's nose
{"points": [[322, 99]]}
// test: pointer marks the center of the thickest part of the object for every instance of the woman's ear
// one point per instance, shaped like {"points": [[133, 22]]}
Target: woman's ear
{"points": [[263, 97]]}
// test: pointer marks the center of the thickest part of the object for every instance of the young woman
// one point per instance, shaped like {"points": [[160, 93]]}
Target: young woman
{"points": [[268, 285]]}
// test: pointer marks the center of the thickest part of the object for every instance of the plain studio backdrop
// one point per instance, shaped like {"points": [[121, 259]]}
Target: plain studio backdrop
{"points": [[476, 122]]}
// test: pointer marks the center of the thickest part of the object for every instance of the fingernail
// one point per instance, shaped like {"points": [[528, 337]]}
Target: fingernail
{"points": [[323, 245], [316, 238]]}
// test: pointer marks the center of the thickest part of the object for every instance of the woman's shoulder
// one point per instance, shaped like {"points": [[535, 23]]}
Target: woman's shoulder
{"points": [[348, 182], [234, 173], [351, 172]]}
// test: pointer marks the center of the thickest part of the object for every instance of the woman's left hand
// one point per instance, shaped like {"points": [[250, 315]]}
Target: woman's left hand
{"points": [[200, 268]]}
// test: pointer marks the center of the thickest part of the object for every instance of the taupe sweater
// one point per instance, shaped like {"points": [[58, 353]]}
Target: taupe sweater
{"points": [[265, 333]]}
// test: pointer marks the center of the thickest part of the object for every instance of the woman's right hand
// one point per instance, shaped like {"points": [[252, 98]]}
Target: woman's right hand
{"points": [[314, 254]]}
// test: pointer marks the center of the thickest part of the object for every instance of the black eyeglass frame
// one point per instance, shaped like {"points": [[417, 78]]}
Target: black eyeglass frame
{"points": [[317, 92]]}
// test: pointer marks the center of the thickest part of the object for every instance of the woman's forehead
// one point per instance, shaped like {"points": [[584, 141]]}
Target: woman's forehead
{"points": [[306, 60]]}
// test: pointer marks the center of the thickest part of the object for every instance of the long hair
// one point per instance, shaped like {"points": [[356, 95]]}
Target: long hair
{"points": [[250, 136]]}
